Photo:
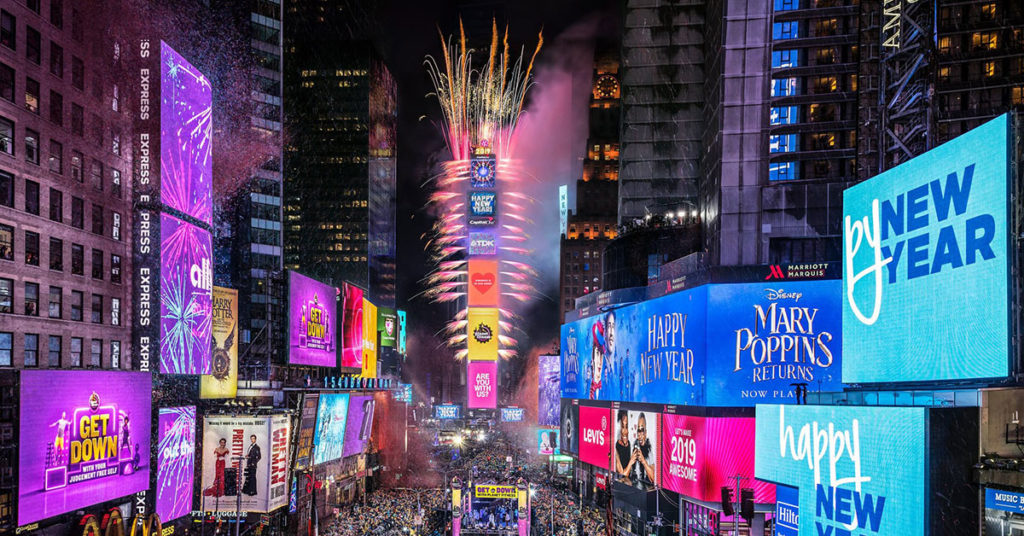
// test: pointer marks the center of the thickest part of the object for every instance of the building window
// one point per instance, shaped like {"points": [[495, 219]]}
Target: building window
{"points": [[97, 219], [56, 108], [985, 40], [77, 213], [76, 25], [989, 69], [945, 44], [31, 146], [115, 354], [57, 13], [77, 303], [96, 309], [115, 182], [96, 174], [76, 351], [97, 263], [32, 95], [56, 205], [6, 295], [57, 254], [115, 99], [8, 30], [77, 73], [115, 142], [32, 299], [76, 166], [6, 242], [115, 230], [56, 157], [56, 60], [54, 354], [33, 45], [32, 197], [96, 353], [56, 307], [31, 248], [31, 350], [77, 259], [77, 120], [115, 311], [6, 136], [6, 82], [1017, 95], [6, 189], [6, 348]]}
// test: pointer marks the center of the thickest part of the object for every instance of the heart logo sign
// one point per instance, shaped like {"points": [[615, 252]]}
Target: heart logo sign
{"points": [[482, 282]]}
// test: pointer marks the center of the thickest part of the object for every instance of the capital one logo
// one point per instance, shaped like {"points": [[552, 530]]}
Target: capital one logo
{"points": [[201, 275]]}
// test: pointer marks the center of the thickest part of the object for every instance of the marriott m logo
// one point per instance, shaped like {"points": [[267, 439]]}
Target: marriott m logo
{"points": [[775, 272]]}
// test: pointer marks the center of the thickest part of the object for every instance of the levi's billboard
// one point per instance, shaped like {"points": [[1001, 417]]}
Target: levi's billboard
{"points": [[926, 264], [595, 435], [857, 470]]}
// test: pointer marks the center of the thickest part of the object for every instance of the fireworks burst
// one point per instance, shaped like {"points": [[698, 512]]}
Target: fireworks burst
{"points": [[481, 106]]}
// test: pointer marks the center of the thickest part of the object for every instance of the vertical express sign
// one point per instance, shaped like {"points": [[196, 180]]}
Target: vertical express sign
{"points": [[926, 265]]}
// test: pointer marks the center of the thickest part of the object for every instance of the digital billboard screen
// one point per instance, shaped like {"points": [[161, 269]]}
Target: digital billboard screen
{"points": [[331, 416], [175, 461], [482, 384], [512, 414], [857, 470], [359, 426], [245, 457], [569, 425], [702, 454], [222, 382], [482, 244], [548, 380], [402, 321], [352, 327], [369, 339], [446, 412], [635, 458], [307, 427], [649, 352], [547, 442], [312, 322], [387, 324], [763, 337], [186, 129], [595, 435], [88, 444], [186, 297], [482, 339], [926, 264], [483, 283]]}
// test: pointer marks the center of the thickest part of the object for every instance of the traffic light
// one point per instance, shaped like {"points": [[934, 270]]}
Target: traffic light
{"points": [[727, 501], [747, 503]]}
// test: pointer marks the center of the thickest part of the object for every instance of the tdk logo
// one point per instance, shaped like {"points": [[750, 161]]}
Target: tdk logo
{"points": [[202, 276]]}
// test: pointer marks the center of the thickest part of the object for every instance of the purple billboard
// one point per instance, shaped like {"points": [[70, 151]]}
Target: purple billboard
{"points": [[186, 298], [84, 438], [186, 127], [175, 461], [359, 426], [548, 389], [312, 322]]}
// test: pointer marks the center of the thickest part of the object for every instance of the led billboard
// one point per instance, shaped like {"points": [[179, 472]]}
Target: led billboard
{"points": [[307, 427], [222, 382], [702, 454], [482, 171], [482, 384], [926, 264], [402, 321], [857, 470], [246, 456], [186, 128], [352, 330], [763, 337], [312, 311], [483, 283], [387, 323], [186, 297], [83, 438], [369, 339], [447, 412], [482, 244], [547, 442], [595, 435], [649, 352], [175, 461], [331, 416], [635, 457], [359, 426], [569, 424], [548, 389], [512, 414], [482, 340]]}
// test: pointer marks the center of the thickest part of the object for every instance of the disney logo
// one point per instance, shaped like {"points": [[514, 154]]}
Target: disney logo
{"points": [[774, 294]]}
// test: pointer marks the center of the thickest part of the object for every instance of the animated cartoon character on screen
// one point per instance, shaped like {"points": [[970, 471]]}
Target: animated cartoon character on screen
{"points": [[597, 360]]}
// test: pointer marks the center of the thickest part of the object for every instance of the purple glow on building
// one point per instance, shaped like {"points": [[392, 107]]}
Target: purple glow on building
{"points": [[175, 461], [360, 425], [186, 297], [84, 438], [186, 127], [312, 322]]}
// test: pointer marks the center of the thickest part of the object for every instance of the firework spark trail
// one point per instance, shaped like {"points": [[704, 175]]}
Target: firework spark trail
{"points": [[480, 107]]}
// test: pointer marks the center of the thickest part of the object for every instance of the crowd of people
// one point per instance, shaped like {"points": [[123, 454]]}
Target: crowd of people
{"points": [[387, 512]]}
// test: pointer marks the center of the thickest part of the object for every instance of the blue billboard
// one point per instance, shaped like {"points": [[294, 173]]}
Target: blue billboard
{"points": [[652, 351], [787, 511], [447, 411], [926, 265], [857, 470], [512, 414], [764, 337], [331, 416]]}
